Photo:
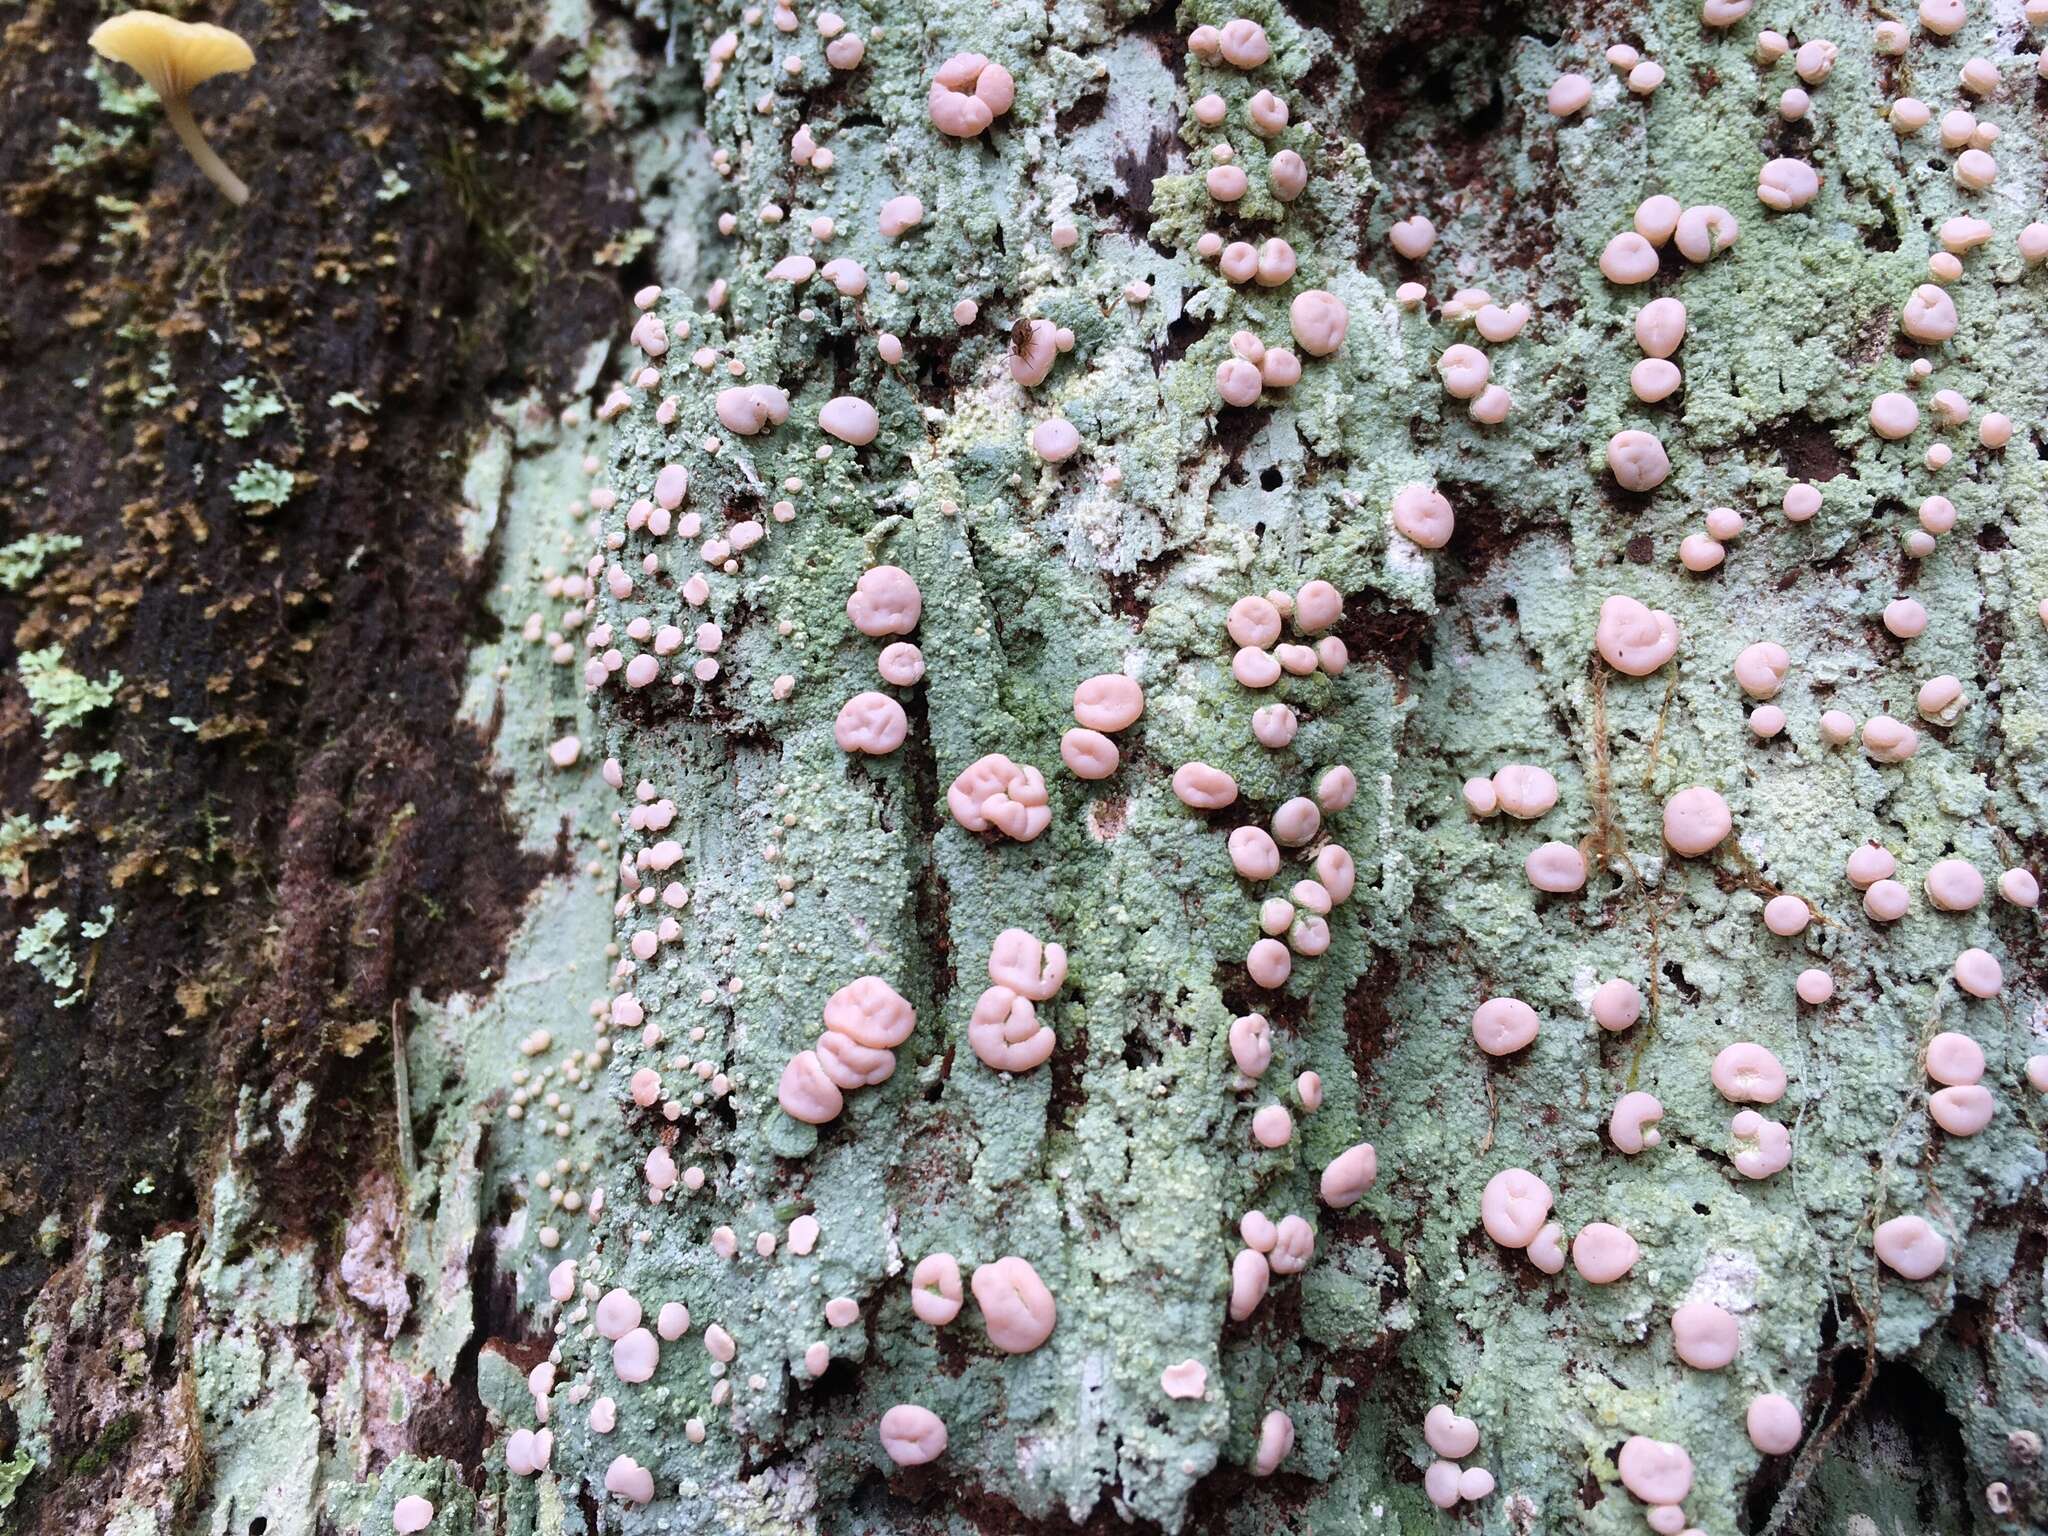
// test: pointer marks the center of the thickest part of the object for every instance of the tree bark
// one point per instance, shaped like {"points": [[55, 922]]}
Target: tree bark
{"points": [[422, 970]]}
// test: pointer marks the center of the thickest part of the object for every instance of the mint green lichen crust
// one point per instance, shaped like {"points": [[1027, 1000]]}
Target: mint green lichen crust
{"points": [[1120, 1169]]}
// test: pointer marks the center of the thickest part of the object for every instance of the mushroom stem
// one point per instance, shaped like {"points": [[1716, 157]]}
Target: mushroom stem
{"points": [[232, 186]]}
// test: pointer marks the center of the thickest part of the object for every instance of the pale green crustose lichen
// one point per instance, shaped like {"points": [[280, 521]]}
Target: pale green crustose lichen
{"points": [[1498, 673]]}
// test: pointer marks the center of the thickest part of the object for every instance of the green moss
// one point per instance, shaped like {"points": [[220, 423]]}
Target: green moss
{"points": [[98, 1456]]}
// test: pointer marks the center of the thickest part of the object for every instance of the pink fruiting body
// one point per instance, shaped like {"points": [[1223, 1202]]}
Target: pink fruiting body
{"points": [[1963, 1111], [935, 1293], [1524, 791], [1637, 460], [1773, 1423], [1617, 1005], [1089, 754], [1110, 702], [1440, 1484], [1513, 1207], [1696, 820], [1954, 885], [1546, 1249], [1655, 1471], [1276, 1441], [968, 93], [1005, 1034], [1910, 1246], [1450, 1436], [1203, 788], [1555, 869], [1602, 1253], [1250, 1278], [1704, 1335], [1628, 1126], [1016, 1308], [994, 793], [870, 723], [912, 1435], [1504, 1025], [1349, 1175], [1422, 515], [1634, 639], [1319, 321], [1747, 1073], [1187, 1380], [1869, 863], [1568, 94]]}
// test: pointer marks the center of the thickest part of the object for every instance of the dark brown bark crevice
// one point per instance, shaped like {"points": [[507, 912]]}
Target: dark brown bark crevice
{"points": [[323, 834]]}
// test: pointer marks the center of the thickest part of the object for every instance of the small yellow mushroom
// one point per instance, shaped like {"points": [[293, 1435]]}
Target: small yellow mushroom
{"points": [[174, 56]]}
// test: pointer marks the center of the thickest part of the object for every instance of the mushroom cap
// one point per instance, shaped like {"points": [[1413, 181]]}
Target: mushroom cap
{"points": [[172, 55]]}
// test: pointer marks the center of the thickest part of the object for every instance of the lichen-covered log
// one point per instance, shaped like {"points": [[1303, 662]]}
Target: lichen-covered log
{"points": [[1706, 1228]]}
